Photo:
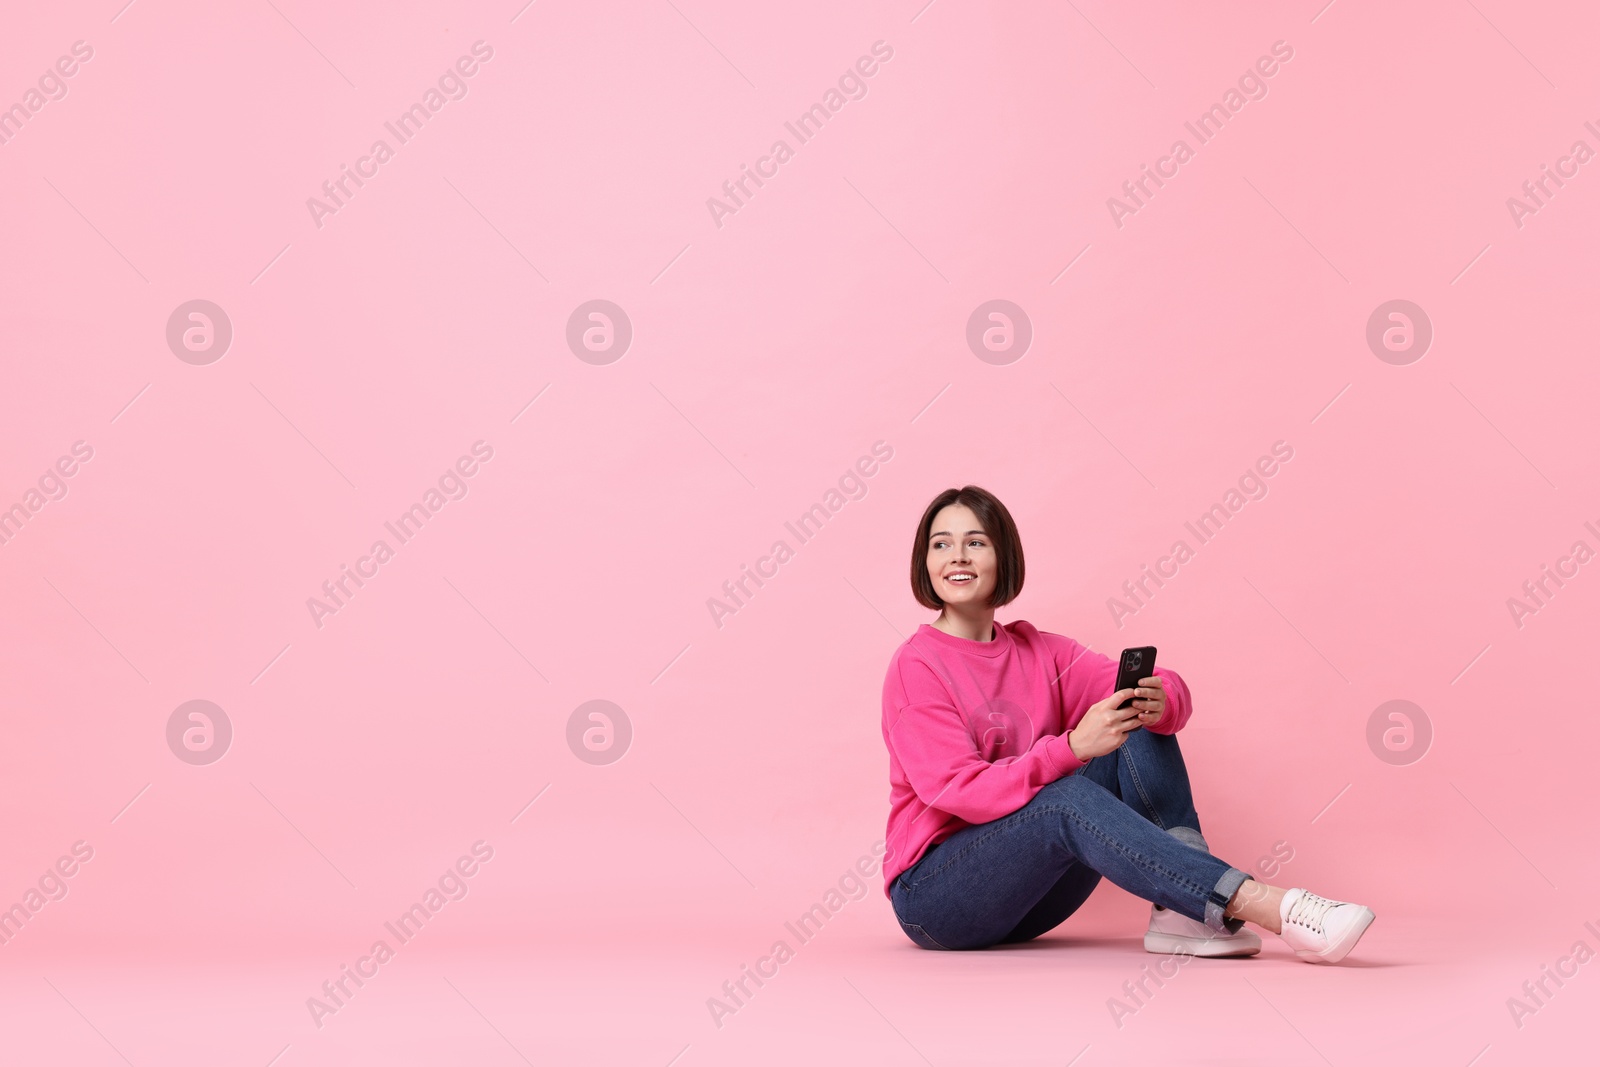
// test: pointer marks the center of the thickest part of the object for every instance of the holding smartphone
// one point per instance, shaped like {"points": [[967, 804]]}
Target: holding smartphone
{"points": [[1106, 723], [1136, 663]]}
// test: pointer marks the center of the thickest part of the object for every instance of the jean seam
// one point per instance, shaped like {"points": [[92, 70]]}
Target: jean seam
{"points": [[924, 932], [1133, 858], [904, 924], [1138, 785], [968, 847]]}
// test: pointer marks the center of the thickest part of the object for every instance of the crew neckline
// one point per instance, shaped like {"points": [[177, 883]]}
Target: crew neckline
{"points": [[998, 645]]}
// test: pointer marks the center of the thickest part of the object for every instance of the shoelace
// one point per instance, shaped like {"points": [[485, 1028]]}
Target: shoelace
{"points": [[1309, 910]]}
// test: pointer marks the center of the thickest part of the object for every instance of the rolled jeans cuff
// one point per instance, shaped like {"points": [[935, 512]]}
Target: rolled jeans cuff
{"points": [[1223, 892], [1226, 886]]}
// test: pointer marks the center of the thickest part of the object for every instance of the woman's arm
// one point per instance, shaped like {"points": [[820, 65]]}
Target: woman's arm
{"points": [[1179, 703], [940, 757], [1086, 677]]}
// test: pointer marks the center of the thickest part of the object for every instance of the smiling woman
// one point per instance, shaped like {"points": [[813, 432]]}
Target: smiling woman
{"points": [[966, 568], [1003, 815]]}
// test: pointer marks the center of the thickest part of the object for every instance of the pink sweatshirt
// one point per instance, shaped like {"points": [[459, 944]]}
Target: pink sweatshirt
{"points": [[976, 728]]}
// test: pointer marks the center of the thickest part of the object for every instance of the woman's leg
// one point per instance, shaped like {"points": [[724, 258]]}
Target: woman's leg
{"points": [[1058, 902], [1148, 774], [971, 889], [976, 887], [1153, 780], [1152, 770], [1259, 903]]}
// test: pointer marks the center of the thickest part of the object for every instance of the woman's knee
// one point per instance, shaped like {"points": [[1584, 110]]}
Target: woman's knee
{"points": [[1069, 789], [1067, 782], [1156, 757], [1146, 740], [1074, 794]]}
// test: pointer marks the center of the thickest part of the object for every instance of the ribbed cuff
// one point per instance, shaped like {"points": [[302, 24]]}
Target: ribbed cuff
{"points": [[1058, 750]]}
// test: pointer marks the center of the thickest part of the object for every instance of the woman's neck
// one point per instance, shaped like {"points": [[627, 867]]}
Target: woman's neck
{"points": [[979, 627]]}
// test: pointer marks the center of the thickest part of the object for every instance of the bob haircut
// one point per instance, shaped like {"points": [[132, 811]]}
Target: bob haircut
{"points": [[999, 527]]}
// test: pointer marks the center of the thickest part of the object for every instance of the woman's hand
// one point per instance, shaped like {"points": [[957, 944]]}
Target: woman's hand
{"points": [[1103, 728], [1151, 700]]}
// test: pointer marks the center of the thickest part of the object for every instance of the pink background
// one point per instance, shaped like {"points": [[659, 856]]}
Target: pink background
{"points": [[768, 354]]}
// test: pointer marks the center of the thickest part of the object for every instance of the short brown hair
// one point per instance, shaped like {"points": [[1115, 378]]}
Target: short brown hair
{"points": [[997, 523]]}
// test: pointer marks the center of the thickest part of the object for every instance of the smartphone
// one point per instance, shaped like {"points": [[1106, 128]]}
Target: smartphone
{"points": [[1136, 663]]}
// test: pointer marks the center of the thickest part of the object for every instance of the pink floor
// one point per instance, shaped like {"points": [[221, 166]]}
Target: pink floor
{"points": [[1416, 994]]}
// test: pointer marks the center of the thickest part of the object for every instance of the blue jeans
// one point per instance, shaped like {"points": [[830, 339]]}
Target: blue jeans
{"points": [[1128, 815]]}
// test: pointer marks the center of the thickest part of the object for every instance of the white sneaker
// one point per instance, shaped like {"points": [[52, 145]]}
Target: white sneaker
{"points": [[1170, 932], [1322, 930]]}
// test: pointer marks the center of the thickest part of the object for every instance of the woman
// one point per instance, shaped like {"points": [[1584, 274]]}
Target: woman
{"points": [[1016, 784]]}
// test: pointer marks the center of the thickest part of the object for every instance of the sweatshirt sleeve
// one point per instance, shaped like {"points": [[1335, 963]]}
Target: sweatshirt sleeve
{"points": [[1087, 677], [930, 737], [1179, 703]]}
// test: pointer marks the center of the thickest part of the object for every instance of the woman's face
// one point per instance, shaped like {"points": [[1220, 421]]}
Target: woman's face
{"points": [[958, 547]]}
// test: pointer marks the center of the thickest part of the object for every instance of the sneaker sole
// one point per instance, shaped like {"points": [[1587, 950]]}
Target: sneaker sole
{"points": [[1341, 948], [1174, 944]]}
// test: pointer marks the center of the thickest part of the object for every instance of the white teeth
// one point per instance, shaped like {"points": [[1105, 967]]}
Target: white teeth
{"points": [[960, 578]]}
